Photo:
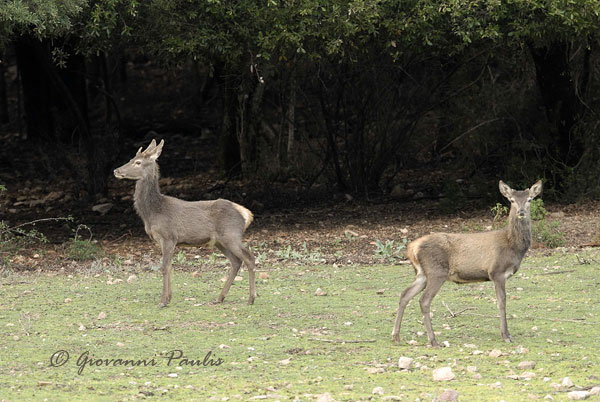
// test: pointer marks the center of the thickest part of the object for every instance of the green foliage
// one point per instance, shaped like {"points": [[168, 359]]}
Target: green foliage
{"points": [[43, 18], [538, 212], [390, 250], [499, 211], [546, 233], [180, 258], [80, 249], [304, 256]]}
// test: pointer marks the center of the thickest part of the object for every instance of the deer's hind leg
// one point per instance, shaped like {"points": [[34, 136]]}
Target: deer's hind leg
{"points": [[235, 246], [236, 263], [434, 283], [417, 286], [248, 258]]}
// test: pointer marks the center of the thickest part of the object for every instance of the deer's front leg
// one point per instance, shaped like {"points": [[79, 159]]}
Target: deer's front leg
{"points": [[499, 284], [167, 247]]}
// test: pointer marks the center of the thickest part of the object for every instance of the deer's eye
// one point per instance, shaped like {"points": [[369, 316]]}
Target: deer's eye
{"points": [[512, 200], [137, 163]]}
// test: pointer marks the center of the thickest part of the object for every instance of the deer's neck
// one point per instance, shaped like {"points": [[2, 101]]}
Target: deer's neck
{"points": [[519, 232], [147, 197]]}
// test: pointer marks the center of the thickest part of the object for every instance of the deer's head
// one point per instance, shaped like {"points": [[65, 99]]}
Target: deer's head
{"points": [[142, 164], [520, 200]]}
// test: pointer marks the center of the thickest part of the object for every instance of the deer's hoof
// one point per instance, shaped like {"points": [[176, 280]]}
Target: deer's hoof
{"points": [[251, 301], [219, 300], [434, 344], [507, 339], [396, 338], [161, 304]]}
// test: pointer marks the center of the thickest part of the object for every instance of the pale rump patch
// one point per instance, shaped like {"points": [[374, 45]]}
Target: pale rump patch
{"points": [[246, 214], [412, 252]]}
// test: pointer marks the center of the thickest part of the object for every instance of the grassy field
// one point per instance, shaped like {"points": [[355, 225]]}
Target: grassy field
{"points": [[293, 344]]}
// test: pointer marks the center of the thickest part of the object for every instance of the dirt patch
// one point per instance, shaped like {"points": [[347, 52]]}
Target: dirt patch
{"points": [[342, 234]]}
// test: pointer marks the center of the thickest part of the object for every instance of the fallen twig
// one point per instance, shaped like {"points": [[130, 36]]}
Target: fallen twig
{"points": [[453, 314], [575, 320], [10, 229], [343, 341], [558, 272]]}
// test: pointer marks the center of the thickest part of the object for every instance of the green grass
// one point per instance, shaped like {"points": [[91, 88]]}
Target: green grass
{"points": [[289, 344]]}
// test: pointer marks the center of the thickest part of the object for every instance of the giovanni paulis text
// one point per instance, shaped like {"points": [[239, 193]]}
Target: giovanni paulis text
{"points": [[175, 357]]}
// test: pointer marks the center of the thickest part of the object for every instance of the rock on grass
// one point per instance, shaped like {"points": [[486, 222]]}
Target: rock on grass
{"points": [[326, 397], [495, 353], [578, 395], [405, 363], [443, 374], [566, 382], [449, 395], [526, 365], [377, 391]]}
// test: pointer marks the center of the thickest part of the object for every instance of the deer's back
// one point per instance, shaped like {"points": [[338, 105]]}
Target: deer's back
{"points": [[198, 222], [462, 257]]}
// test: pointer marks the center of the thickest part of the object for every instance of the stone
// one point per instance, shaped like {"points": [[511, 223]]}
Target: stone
{"points": [[405, 363], [443, 374], [595, 391], [566, 382], [578, 395], [54, 195], [377, 391], [449, 395], [320, 292], [326, 397], [102, 208], [495, 353], [132, 278], [263, 275], [526, 365]]}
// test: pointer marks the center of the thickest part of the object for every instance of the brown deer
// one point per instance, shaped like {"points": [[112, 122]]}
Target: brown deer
{"points": [[475, 257], [170, 221]]}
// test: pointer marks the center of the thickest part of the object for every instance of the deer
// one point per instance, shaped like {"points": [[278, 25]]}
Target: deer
{"points": [[171, 222], [470, 257]]}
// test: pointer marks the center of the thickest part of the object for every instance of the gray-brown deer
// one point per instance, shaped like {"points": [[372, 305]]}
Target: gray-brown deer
{"points": [[476, 257], [170, 221]]}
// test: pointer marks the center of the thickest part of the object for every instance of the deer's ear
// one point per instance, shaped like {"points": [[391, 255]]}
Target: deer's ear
{"points": [[157, 150], [150, 147], [505, 190], [536, 189]]}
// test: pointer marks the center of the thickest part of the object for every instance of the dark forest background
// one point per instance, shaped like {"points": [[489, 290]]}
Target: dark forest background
{"points": [[349, 97]]}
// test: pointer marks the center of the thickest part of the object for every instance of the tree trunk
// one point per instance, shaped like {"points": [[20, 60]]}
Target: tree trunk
{"points": [[4, 117], [229, 145], [58, 98], [291, 122], [36, 90], [559, 97]]}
